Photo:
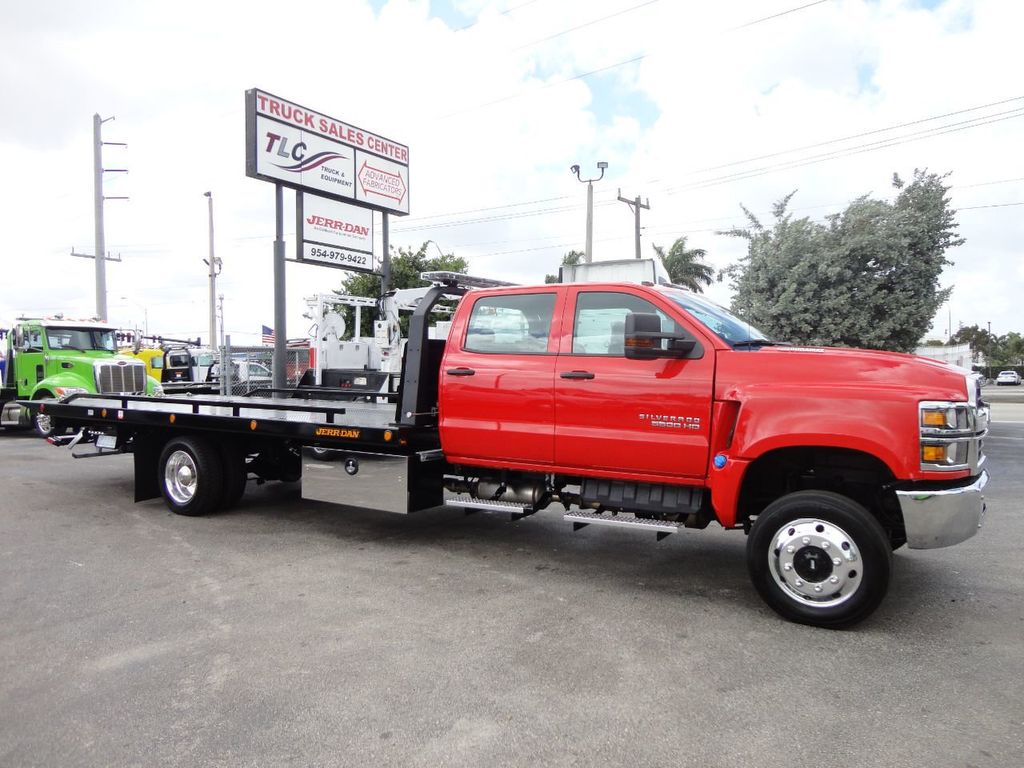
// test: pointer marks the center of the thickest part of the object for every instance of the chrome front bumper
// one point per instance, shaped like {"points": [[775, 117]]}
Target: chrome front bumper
{"points": [[943, 518]]}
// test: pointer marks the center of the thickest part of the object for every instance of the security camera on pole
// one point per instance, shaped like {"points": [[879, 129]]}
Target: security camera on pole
{"points": [[601, 166]]}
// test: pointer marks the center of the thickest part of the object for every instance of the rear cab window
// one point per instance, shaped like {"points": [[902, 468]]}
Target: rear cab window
{"points": [[511, 324]]}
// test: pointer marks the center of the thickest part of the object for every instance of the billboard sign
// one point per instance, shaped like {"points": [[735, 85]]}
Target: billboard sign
{"points": [[334, 234], [306, 150]]}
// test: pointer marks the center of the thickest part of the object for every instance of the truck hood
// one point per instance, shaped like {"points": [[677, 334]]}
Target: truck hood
{"points": [[890, 374]]}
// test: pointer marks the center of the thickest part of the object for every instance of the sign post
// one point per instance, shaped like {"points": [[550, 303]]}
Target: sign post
{"points": [[341, 174]]}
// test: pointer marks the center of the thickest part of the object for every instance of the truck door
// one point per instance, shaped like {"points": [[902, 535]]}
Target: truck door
{"points": [[497, 391], [640, 417], [28, 361]]}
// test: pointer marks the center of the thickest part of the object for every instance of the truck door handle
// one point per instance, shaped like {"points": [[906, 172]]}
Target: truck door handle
{"points": [[576, 375], [460, 372]]}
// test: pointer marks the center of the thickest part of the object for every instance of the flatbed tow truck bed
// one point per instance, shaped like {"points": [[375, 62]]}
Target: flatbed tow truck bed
{"points": [[199, 452], [329, 423]]}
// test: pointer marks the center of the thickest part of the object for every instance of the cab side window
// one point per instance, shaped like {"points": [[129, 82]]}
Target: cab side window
{"points": [[512, 325], [33, 340], [600, 324]]}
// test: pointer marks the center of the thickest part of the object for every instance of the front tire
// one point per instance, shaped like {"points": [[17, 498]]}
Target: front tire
{"points": [[819, 558], [191, 476], [45, 425]]}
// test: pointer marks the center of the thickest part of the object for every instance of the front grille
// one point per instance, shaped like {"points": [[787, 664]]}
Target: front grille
{"points": [[127, 378]]}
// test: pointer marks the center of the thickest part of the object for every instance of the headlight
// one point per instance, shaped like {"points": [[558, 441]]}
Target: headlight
{"points": [[158, 390], [951, 435], [63, 392]]}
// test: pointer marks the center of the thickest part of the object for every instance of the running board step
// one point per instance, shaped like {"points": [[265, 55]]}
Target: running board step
{"points": [[470, 505], [583, 518]]}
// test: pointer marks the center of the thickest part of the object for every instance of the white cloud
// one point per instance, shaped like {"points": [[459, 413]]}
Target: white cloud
{"points": [[492, 119]]}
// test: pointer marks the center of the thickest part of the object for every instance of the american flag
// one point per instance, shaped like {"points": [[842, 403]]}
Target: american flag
{"points": [[268, 335]]}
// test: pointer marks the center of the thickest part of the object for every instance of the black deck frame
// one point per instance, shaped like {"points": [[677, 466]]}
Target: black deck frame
{"points": [[94, 412]]}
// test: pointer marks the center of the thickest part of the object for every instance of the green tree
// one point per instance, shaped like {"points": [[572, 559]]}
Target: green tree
{"points": [[999, 351], [571, 259], [406, 267], [980, 340], [685, 266], [867, 277], [1011, 348]]}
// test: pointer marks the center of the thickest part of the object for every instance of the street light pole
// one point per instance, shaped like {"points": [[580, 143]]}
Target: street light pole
{"points": [[145, 314], [214, 264], [602, 166]]}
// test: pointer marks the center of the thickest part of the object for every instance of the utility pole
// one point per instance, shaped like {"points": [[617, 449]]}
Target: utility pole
{"points": [[214, 264], [100, 253], [220, 304], [635, 205], [601, 166]]}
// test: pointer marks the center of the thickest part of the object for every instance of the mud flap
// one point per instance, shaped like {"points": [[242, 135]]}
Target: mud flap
{"points": [[146, 453]]}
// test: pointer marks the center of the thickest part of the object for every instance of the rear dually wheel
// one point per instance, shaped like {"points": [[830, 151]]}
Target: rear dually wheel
{"points": [[191, 476]]}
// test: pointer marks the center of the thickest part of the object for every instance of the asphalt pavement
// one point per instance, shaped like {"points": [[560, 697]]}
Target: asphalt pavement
{"points": [[296, 633]]}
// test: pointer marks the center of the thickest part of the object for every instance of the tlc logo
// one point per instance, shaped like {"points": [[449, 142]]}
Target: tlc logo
{"points": [[298, 150]]}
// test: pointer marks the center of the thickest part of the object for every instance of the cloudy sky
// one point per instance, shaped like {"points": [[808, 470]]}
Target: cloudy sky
{"points": [[698, 107]]}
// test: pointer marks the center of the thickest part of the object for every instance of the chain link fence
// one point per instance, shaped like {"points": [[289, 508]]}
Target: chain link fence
{"points": [[251, 368]]}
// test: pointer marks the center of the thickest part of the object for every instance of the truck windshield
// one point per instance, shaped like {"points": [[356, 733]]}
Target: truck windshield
{"points": [[80, 338], [718, 320]]}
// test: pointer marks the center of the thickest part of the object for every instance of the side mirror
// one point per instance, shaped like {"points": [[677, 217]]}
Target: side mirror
{"points": [[19, 337], [644, 339]]}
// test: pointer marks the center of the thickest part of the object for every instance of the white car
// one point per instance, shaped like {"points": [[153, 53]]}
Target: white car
{"points": [[1008, 377]]}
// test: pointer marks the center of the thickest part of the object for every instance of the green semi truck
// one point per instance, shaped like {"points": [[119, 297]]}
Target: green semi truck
{"points": [[53, 358]]}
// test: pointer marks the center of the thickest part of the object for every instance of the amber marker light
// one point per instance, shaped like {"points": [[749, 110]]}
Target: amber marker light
{"points": [[171, 417], [252, 425], [934, 419], [933, 454], [387, 435], [103, 413]]}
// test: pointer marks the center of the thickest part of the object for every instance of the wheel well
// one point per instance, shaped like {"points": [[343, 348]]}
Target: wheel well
{"points": [[41, 394], [854, 474]]}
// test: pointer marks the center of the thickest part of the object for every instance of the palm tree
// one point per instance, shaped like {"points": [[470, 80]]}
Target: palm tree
{"points": [[686, 266]]}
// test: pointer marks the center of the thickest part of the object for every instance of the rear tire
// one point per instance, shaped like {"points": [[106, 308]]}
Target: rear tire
{"points": [[819, 558], [190, 474]]}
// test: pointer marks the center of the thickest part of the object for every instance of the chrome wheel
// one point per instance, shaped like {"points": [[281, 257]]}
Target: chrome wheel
{"points": [[180, 477], [44, 424], [815, 562]]}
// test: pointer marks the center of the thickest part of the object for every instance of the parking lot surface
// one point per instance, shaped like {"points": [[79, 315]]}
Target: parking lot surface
{"points": [[297, 633]]}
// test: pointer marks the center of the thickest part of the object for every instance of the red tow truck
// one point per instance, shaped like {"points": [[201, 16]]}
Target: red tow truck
{"points": [[633, 405]]}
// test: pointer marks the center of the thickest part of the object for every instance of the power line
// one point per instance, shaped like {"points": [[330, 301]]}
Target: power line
{"points": [[777, 15], [740, 175], [848, 152], [993, 205], [585, 25], [755, 172], [852, 136]]}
